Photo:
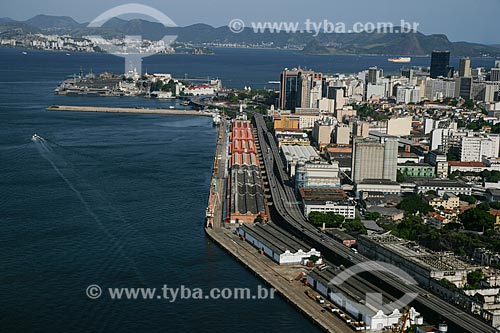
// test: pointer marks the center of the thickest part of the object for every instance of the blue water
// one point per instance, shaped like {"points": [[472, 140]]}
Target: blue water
{"points": [[119, 200]]}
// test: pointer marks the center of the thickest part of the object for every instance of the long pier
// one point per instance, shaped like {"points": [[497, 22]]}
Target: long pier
{"points": [[105, 109], [281, 278]]}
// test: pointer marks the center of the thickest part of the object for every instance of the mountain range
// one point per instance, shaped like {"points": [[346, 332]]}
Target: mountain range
{"points": [[411, 44]]}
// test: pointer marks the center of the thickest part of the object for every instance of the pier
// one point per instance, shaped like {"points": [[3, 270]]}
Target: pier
{"points": [[283, 278], [136, 110]]}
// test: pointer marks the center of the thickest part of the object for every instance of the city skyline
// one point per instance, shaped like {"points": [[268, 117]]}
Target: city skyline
{"points": [[448, 21]]}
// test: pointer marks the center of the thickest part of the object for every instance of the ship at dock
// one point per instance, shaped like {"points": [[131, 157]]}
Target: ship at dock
{"points": [[216, 119], [400, 59]]}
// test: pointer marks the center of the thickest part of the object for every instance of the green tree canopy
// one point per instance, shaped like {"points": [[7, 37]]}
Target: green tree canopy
{"points": [[476, 219]]}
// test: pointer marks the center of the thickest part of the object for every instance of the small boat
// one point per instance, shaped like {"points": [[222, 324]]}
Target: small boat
{"points": [[68, 54], [35, 137], [171, 107], [24, 52]]}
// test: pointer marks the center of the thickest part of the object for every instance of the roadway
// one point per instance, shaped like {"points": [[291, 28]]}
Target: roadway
{"points": [[287, 212]]}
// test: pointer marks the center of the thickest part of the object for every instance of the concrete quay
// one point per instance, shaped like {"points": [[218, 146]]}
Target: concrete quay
{"points": [[76, 108], [281, 278]]}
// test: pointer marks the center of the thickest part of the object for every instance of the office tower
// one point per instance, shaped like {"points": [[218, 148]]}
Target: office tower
{"points": [[299, 88], [497, 63], [374, 74], [289, 89], [440, 63], [373, 159], [465, 88], [464, 70], [408, 72], [495, 74]]}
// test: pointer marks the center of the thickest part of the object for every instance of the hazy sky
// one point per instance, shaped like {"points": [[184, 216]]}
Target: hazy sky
{"points": [[466, 20]]}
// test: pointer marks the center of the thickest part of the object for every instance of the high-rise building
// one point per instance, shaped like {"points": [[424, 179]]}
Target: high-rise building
{"points": [[474, 147], [440, 63], [464, 70], [289, 89], [322, 133], [374, 74], [408, 72], [372, 159], [495, 74], [465, 88], [342, 134], [300, 89]]}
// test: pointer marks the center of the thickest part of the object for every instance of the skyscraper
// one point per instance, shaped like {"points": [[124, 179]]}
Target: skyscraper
{"points": [[372, 159], [374, 74], [440, 63], [495, 74], [299, 88], [289, 89], [464, 70]]}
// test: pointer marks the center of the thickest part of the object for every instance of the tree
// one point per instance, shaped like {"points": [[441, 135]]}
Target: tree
{"points": [[411, 228], [355, 226], [469, 104], [373, 216], [474, 278], [468, 198], [476, 219], [414, 203], [329, 219]]}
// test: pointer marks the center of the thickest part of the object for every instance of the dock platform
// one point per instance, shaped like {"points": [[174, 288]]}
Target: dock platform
{"points": [[76, 108]]}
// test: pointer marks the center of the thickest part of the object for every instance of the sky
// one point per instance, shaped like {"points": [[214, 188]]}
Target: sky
{"points": [[460, 20]]}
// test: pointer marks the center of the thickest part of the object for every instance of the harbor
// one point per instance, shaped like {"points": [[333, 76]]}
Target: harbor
{"points": [[287, 280]]}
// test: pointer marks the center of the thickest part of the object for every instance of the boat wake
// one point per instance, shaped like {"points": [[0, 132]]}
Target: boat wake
{"points": [[48, 154]]}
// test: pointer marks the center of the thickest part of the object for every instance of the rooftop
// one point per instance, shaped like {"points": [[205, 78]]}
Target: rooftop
{"points": [[299, 152]]}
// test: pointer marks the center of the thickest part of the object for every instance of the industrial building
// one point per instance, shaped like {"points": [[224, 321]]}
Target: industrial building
{"points": [[353, 300], [373, 159], [277, 244], [326, 200], [424, 265], [295, 154], [246, 201], [317, 175], [441, 186], [418, 170]]}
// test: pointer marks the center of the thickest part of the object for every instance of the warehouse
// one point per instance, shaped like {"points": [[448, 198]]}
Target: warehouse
{"points": [[277, 244], [296, 154], [353, 300]]}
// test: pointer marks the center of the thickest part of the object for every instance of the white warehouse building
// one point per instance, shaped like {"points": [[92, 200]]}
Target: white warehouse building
{"points": [[277, 244]]}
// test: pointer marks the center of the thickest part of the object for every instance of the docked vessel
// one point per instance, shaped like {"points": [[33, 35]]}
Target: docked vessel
{"points": [[216, 120], [400, 59]]}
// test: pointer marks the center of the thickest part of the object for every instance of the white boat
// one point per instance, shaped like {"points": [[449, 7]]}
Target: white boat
{"points": [[24, 52], [400, 59], [35, 137]]}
